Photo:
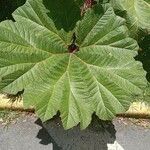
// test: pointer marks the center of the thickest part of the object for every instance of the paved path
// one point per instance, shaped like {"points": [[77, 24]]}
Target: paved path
{"points": [[27, 134], [131, 137], [121, 135]]}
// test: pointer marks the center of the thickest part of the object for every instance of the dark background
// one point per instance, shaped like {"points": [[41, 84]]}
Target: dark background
{"points": [[7, 7]]}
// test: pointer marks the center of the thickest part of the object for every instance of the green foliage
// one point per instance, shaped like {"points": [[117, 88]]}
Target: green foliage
{"points": [[65, 13], [147, 94], [144, 54], [148, 1], [136, 13], [144, 57], [100, 76]]}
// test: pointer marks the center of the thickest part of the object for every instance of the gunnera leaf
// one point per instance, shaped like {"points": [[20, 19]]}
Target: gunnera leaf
{"points": [[90, 69], [136, 13], [148, 1]]}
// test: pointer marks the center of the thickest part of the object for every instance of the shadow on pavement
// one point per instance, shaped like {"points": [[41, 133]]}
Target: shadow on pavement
{"points": [[45, 137], [96, 137]]}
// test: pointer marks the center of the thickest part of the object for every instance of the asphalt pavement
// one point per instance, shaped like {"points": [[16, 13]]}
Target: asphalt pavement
{"points": [[28, 133]]}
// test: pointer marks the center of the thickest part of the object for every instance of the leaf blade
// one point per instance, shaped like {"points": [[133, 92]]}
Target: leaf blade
{"points": [[102, 77]]}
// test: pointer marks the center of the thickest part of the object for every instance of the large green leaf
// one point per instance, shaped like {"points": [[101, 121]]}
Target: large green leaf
{"points": [[148, 1], [137, 14], [101, 77]]}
